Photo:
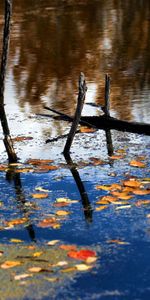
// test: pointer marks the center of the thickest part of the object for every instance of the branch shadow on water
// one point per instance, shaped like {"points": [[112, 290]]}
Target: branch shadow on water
{"points": [[88, 211], [12, 176]]}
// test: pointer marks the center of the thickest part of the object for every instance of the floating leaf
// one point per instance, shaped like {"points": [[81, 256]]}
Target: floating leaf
{"points": [[116, 157], [83, 267], [52, 243], [97, 161], [66, 200], [103, 187], [22, 276], [68, 247], [39, 161], [46, 167], [68, 270], [61, 263], [49, 222], [141, 192], [60, 204], [142, 202], [10, 264], [40, 189], [35, 269], [102, 207], [22, 138], [119, 242], [122, 196], [81, 254], [40, 196], [138, 164], [62, 213], [123, 207], [16, 222], [84, 129], [91, 259], [132, 183], [16, 241], [107, 198], [37, 254]]}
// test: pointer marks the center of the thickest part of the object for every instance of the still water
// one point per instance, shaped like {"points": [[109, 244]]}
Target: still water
{"points": [[51, 43]]}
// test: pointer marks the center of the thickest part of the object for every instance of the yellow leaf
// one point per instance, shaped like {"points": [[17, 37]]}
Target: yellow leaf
{"points": [[40, 196], [103, 187], [35, 269], [91, 259], [37, 254], [10, 264], [83, 267], [68, 270], [141, 192], [61, 263], [122, 196], [116, 157], [62, 213], [138, 164], [16, 222], [15, 241]]}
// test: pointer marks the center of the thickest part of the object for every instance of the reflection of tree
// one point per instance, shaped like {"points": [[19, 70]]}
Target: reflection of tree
{"points": [[51, 43]]}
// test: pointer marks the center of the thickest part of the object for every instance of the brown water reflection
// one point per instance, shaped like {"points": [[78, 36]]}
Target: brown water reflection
{"points": [[52, 41]]}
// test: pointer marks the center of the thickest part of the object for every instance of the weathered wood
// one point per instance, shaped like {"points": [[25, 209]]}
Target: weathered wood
{"points": [[7, 138], [80, 102]]}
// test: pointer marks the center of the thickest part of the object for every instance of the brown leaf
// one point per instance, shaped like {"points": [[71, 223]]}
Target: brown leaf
{"points": [[116, 157], [84, 129], [39, 161], [22, 138], [16, 222], [122, 196]]}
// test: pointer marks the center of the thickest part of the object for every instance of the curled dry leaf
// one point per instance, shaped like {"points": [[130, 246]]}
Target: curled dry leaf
{"points": [[61, 263], [22, 138], [137, 164], [10, 264], [82, 254], [40, 195], [83, 267]]}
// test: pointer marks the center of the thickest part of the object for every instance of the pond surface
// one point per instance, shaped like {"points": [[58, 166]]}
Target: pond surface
{"points": [[51, 43]]}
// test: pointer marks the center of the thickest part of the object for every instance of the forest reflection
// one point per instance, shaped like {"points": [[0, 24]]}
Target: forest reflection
{"points": [[52, 41]]}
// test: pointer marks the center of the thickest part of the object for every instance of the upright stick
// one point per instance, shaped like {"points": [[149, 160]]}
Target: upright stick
{"points": [[80, 102], [7, 138], [107, 92]]}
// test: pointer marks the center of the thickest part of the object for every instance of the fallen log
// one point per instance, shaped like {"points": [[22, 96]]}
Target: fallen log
{"points": [[106, 122]]}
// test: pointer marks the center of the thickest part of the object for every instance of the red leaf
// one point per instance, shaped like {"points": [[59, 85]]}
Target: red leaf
{"points": [[81, 254]]}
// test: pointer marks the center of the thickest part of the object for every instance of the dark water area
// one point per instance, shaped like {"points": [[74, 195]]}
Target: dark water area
{"points": [[51, 43]]}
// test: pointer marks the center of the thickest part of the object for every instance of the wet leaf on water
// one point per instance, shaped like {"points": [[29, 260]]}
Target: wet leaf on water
{"points": [[61, 264], [46, 168], [53, 242], [81, 254], [132, 183], [107, 198], [83, 267], [91, 259], [102, 202], [122, 196], [123, 207], [116, 157], [68, 247], [62, 213], [138, 164], [60, 204], [23, 170], [37, 254], [40, 189], [50, 222], [52, 279], [84, 129], [10, 264], [103, 187], [39, 161], [97, 161], [142, 202], [22, 138], [114, 186], [102, 207], [141, 192], [35, 269], [66, 200], [22, 276], [16, 222], [16, 241], [119, 242], [68, 270], [40, 195]]}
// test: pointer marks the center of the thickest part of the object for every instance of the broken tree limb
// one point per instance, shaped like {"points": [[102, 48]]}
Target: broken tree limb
{"points": [[80, 103], [7, 138]]}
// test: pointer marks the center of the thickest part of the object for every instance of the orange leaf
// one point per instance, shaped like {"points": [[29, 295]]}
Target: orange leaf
{"points": [[138, 164], [50, 222], [141, 192], [62, 213], [16, 222], [81, 254], [102, 207], [10, 264], [132, 183], [97, 161], [22, 138], [40, 195], [116, 157], [142, 202], [122, 196], [86, 129], [39, 161], [108, 198], [68, 247]]}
